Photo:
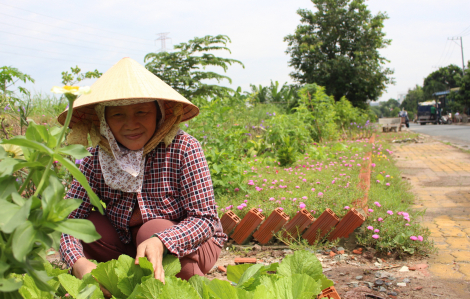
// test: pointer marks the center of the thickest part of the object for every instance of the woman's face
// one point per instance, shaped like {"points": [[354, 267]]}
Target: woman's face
{"points": [[132, 125]]}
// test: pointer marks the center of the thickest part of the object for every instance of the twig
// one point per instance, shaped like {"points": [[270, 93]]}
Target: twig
{"points": [[386, 268], [4, 130]]}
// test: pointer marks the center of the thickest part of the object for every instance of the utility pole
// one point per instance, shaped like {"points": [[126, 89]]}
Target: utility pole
{"points": [[463, 63], [461, 49], [163, 37]]}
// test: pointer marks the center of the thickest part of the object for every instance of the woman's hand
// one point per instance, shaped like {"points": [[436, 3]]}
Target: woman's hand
{"points": [[83, 266], [153, 249]]}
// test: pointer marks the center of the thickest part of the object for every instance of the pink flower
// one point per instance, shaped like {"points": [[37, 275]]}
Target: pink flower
{"points": [[236, 190], [251, 183], [318, 182], [245, 201], [320, 194], [240, 207], [389, 212], [375, 236], [260, 210], [380, 219], [414, 238], [333, 181], [377, 204], [302, 205], [346, 207], [420, 238], [272, 198], [358, 164], [313, 189], [370, 227], [387, 176], [387, 184], [247, 195], [407, 224], [304, 197], [376, 230], [370, 210], [297, 187], [372, 164], [280, 208], [378, 181], [304, 180]]}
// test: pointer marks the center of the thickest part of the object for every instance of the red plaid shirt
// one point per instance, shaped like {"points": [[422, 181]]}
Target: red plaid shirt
{"points": [[177, 186]]}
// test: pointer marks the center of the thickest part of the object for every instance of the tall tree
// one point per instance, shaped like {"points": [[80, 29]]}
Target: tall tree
{"points": [[412, 98], [184, 69], [443, 79], [338, 47]]}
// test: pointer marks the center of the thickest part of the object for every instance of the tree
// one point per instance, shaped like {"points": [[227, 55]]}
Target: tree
{"points": [[443, 79], [464, 92], [337, 47], [185, 71], [76, 76], [412, 98], [9, 76]]}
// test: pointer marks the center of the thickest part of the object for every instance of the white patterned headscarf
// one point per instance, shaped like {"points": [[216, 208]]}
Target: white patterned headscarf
{"points": [[124, 170]]}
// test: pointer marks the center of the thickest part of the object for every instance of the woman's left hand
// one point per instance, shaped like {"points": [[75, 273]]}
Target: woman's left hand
{"points": [[153, 249]]}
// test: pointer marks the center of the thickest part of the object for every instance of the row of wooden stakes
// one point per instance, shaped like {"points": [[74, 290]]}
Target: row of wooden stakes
{"points": [[302, 224]]}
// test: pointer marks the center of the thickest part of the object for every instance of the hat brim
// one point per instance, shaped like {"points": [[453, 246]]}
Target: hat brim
{"points": [[127, 80]]}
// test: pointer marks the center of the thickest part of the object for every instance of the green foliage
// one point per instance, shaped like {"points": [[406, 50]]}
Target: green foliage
{"points": [[412, 98], [185, 71], [76, 76], [284, 96], [298, 276], [321, 108], [443, 79], [33, 223], [337, 46]]}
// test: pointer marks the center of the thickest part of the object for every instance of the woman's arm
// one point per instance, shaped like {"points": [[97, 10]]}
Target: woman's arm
{"points": [[197, 198]]}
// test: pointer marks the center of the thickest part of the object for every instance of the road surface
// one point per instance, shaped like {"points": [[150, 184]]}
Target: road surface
{"points": [[455, 134]]}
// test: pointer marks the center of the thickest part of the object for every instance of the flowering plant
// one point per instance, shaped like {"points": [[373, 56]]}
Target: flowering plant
{"points": [[33, 223]]}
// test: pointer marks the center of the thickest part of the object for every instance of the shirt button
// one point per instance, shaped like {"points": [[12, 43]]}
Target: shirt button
{"points": [[130, 209]]}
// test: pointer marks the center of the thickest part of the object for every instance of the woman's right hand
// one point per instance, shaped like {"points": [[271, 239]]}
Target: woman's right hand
{"points": [[83, 266]]}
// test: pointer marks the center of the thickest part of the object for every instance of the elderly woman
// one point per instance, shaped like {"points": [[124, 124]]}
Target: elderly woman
{"points": [[152, 177]]}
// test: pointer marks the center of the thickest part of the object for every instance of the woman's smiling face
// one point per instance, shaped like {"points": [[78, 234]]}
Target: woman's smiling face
{"points": [[132, 125]]}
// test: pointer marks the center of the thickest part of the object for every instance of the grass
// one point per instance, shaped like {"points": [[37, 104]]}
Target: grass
{"points": [[314, 184], [392, 221]]}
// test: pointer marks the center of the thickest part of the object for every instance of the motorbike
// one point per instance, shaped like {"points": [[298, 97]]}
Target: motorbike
{"points": [[445, 119]]}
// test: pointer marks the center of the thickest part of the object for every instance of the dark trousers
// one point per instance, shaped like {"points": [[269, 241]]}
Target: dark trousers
{"points": [[110, 246]]}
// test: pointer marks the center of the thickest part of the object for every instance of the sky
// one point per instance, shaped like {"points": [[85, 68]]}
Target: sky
{"points": [[44, 38]]}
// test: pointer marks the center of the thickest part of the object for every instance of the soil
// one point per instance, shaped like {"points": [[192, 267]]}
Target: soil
{"points": [[376, 271], [367, 275]]}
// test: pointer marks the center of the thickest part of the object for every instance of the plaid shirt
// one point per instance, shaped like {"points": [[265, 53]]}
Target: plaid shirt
{"points": [[177, 186]]}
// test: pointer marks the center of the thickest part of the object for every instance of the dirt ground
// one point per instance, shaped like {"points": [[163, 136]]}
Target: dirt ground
{"points": [[444, 274], [370, 276]]}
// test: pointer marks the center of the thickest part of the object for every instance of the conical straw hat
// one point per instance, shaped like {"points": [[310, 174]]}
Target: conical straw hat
{"points": [[127, 79]]}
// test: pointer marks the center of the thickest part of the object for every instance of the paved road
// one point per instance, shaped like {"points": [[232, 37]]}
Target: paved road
{"points": [[456, 134]]}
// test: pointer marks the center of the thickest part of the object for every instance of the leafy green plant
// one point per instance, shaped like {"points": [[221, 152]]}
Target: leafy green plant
{"points": [[298, 276], [33, 223]]}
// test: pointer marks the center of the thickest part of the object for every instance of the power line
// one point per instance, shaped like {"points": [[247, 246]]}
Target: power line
{"points": [[75, 46], [68, 60], [442, 55], [463, 32], [73, 22], [46, 51], [66, 29], [67, 37]]}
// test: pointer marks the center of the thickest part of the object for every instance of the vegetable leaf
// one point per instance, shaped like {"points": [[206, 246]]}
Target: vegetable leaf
{"points": [[105, 273]]}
